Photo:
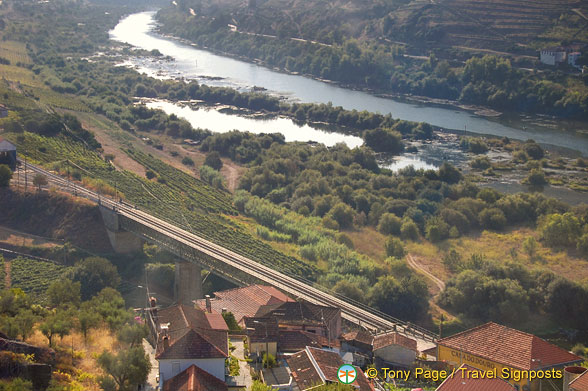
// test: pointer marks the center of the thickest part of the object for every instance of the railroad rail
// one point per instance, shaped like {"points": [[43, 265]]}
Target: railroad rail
{"points": [[151, 227]]}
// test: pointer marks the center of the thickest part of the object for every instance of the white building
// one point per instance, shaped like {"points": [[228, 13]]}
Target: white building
{"points": [[553, 56], [187, 336]]}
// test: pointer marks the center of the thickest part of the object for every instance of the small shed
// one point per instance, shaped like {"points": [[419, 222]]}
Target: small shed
{"points": [[8, 153]]}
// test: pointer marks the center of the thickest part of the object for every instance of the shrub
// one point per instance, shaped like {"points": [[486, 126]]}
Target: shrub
{"points": [[409, 230], [492, 218], [395, 248], [389, 224], [187, 161], [213, 160]]}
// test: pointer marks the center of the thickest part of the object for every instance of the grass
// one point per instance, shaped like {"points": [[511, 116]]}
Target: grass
{"points": [[57, 100], [18, 74], [503, 246]]}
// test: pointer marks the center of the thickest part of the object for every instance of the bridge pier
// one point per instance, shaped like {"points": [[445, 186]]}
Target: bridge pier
{"points": [[187, 282], [122, 242]]}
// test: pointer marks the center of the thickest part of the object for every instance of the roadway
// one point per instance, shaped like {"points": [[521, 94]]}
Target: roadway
{"points": [[354, 312]]}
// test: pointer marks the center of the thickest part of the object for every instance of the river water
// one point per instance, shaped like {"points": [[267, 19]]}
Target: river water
{"points": [[208, 68]]}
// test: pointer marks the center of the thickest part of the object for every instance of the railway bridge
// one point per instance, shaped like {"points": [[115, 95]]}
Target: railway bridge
{"points": [[128, 225]]}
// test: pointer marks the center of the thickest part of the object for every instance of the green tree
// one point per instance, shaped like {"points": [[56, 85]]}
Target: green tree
{"points": [[406, 299], [5, 175], [94, 274], [132, 334], [128, 368], [395, 248], [40, 180], [88, 319], [384, 140], [64, 293], [409, 230], [213, 160], [530, 247], [57, 323], [560, 229], [342, 214], [25, 322], [231, 321], [448, 173], [389, 224], [492, 218]]}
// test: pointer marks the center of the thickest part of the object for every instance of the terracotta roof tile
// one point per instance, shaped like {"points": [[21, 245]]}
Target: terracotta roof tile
{"points": [[300, 312], [189, 334], [509, 347], [216, 321], [296, 340], [257, 328], [361, 336], [245, 302], [580, 383], [467, 383], [194, 379], [307, 375], [381, 341]]}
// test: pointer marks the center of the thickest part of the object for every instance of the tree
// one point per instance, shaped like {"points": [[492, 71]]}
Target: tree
{"points": [[560, 230], [409, 230], [448, 173], [40, 180], [384, 140], [389, 224], [63, 293], [406, 299], [342, 214], [128, 368], [132, 334], [536, 177], [492, 218], [231, 321], [25, 321], [187, 161], [395, 248], [349, 289], [58, 323], [213, 160], [94, 274], [5, 175], [88, 319], [530, 247]]}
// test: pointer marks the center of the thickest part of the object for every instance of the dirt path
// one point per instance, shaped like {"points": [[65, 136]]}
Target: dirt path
{"points": [[418, 267]]}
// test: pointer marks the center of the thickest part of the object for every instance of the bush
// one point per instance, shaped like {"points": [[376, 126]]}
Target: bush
{"points": [[342, 214], [187, 161], [389, 224], [213, 160], [536, 178], [395, 248], [492, 218], [560, 230], [5, 175], [436, 230], [533, 150], [409, 230], [481, 163]]}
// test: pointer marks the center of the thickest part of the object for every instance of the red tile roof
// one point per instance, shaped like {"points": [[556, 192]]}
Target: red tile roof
{"points": [[300, 313], [194, 379], [384, 340], [510, 347], [297, 340], [189, 333], [580, 383], [216, 321], [245, 301], [467, 383], [312, 367], [259, 328], [361, 336]]}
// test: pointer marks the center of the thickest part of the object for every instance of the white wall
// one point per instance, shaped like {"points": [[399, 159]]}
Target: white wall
{"points": [[214, 366], [396, 354]]}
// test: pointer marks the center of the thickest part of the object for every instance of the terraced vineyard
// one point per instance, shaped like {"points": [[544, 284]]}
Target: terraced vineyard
{"points": [[186, 201], [499, 25], [15, 52], [33, 276]]}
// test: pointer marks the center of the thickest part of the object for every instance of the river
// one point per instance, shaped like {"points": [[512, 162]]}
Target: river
{"points": [[195, 64]]}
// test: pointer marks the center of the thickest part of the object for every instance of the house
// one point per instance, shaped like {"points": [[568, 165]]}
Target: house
{"points": [[572, 58], [305, 316], [188, 336], [395, 349], [8, 154], [491, 346], [292, 341], [3, 111], [386, 349], [262, 335], [313, 367], [461, 381], [243, 302], [580, 383], [194, 379], [553, 56]]}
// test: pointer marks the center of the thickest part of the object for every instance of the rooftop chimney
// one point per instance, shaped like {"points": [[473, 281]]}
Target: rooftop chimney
{"points": [[224, 310], [208, 304], [165, 342]]}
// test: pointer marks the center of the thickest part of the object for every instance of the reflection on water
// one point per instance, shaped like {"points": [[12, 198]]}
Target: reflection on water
{"points": [[191, 63], [219, 122]]}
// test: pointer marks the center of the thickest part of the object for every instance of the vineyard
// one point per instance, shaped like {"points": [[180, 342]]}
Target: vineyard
{"points": [[175, 196], [33, 276], [15, 52]]}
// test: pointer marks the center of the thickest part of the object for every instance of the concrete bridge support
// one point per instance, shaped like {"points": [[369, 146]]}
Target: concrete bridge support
{"points": [[187, 282], [122, 242]]}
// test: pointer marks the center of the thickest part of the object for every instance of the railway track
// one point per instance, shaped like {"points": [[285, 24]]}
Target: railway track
{"points": [[352, 311]]}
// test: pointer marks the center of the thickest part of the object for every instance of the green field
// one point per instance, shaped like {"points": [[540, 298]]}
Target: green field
{"points": [[33, 276]]}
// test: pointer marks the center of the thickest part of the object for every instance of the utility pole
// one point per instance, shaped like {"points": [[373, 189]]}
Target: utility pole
{"points": [[25, 173]]}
